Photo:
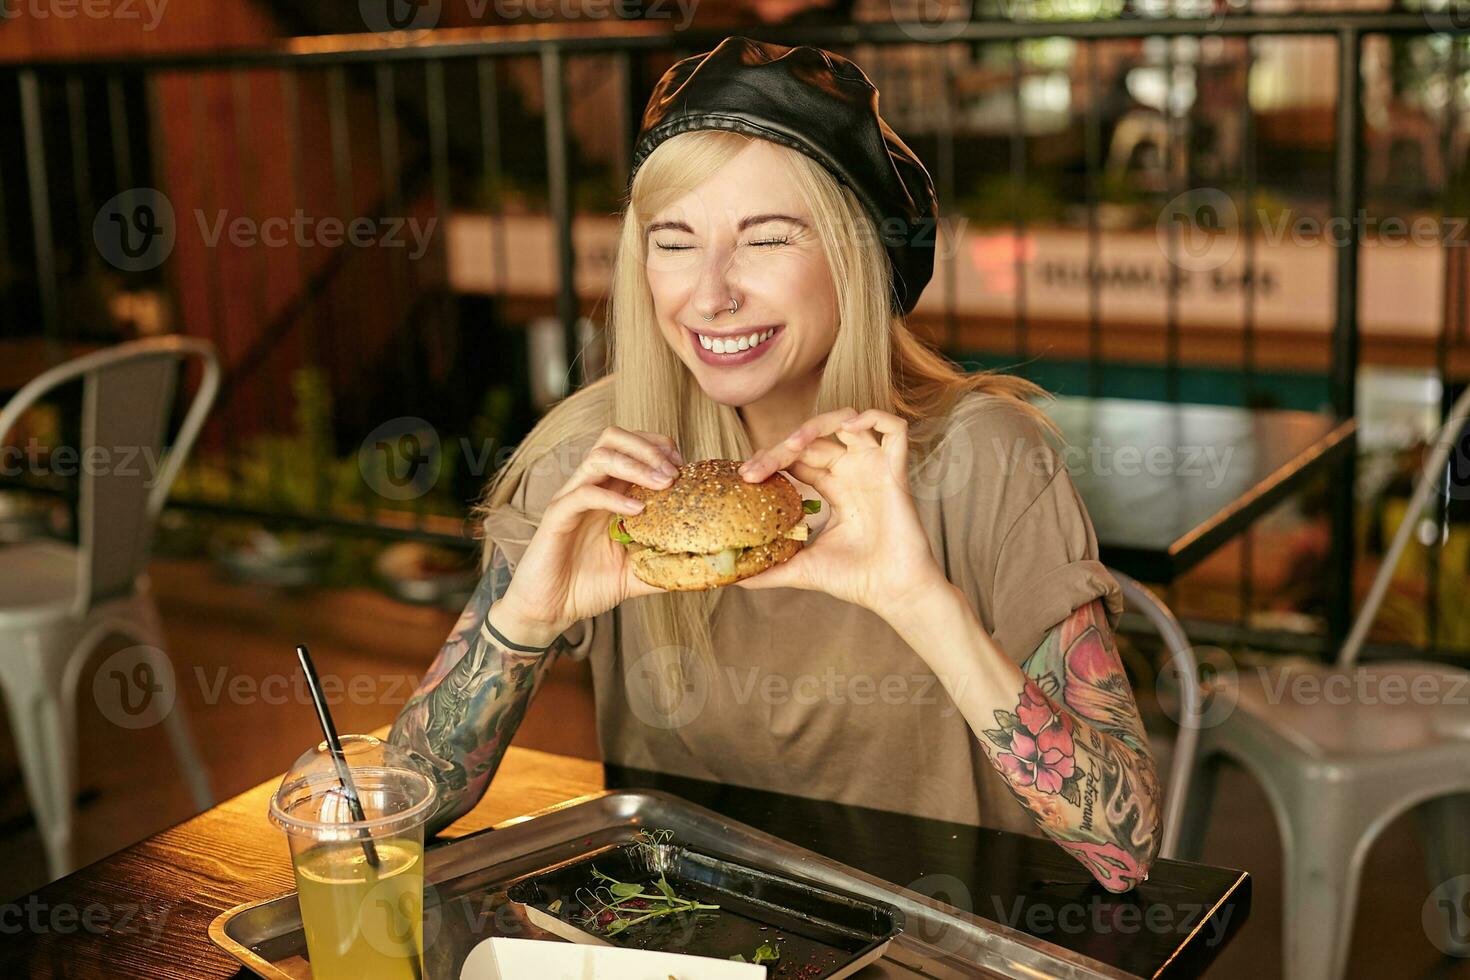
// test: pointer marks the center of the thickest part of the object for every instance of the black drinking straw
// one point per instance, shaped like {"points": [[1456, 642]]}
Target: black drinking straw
{"points": [[334, 744]]}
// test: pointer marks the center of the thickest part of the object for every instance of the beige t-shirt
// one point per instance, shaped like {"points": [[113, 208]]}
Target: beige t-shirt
{"points": [[816, 697]]}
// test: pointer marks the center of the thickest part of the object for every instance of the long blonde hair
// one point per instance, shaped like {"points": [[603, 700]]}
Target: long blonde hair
{"points": [[876, 360]]}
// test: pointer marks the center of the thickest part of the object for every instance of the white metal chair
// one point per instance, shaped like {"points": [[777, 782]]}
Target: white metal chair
{"points": [[58, 602], [1183, 665], [1339, 767]]}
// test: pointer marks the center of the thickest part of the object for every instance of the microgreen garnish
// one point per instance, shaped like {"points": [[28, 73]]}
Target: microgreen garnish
{"points": [[613, 906], [766, 952]]}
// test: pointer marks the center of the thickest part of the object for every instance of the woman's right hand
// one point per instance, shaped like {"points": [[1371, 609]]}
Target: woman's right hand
{"points": [[572, 569]]}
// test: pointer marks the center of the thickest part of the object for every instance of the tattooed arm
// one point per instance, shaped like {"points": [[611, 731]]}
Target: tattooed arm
{"points": [[467, 708], [1063, 730]]}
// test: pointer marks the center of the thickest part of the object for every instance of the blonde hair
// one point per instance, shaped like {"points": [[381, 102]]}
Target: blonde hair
{"points": [[876, 361]]}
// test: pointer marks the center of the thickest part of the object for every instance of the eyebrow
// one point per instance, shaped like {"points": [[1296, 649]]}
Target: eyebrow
{"points": [[747, 222]]}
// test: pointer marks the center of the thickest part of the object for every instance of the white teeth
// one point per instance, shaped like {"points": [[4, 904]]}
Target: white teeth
{"points": [[732, 345]]}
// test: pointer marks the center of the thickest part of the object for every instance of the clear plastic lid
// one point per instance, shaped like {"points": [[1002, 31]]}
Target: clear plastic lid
{"points": [[396, 794]]}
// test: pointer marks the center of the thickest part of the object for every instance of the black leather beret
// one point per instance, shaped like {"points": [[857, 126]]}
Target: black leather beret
{"points": [[822, 104]]}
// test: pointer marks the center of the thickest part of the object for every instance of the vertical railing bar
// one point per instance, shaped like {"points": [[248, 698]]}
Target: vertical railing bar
{"points": [[1347, 196], [439, 168], [296, 175], [1176, 166], [117, 116], [1435, 556], [1093, 142], [217, 324], [260, 267], [81, 165], [387, 111], [559, 195], [40, 194], [630, 119], [9, 294], [490, 157], [1019, 164], [1248, 313], [346, 205], [946, 191]]}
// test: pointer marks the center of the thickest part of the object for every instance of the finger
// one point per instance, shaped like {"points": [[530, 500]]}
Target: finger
{"points": [[665, 445], [813, 476], [643, 446], [857, 439], [895, 432], [822, 451], [633, 586], [787, 575], [604, 462], [768, 461], [565, 512]]}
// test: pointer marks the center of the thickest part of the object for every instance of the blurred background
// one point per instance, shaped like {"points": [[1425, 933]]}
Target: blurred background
{"points": [[395, 224]]}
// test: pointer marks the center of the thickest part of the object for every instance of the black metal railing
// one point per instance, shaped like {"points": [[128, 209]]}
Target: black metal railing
{"points": [[384, 129]]}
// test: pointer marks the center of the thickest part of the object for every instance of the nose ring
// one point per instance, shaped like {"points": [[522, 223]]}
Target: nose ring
{"points": [[734, 305]]}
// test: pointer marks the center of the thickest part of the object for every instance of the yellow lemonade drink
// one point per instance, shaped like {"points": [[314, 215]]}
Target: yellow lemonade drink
{"points": [[361, 922]]}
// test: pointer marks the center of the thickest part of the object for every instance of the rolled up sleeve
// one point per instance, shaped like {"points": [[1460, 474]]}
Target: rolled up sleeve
{"points": [[1048, 566]]}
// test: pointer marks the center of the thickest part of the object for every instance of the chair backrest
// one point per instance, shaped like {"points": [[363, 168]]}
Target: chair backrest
{"points": [[1186, 667], [125, 474], [1435, 469]]}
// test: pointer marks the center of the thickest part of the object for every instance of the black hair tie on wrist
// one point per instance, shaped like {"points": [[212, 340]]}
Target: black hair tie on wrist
{"points": [[510, 644]]}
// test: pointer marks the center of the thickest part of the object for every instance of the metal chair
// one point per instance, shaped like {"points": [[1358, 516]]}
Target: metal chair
{"points": [[58, 602], [1338, 768], [1183, 664]]}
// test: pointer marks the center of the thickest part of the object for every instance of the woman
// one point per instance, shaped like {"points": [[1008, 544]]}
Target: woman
{"points": [[943, 644]]}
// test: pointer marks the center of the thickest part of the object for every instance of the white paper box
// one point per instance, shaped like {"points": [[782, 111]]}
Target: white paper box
{"points": [[537, 959]]}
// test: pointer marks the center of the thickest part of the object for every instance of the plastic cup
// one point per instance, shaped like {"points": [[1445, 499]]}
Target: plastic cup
{"points": [[360, 920]]}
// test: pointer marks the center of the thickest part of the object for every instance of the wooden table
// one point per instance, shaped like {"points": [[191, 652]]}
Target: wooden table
{"points": [[1167, 485], [145, 911]]}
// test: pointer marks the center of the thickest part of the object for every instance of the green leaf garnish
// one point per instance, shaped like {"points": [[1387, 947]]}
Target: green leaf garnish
{"points": [[617, 533], [811, 506], [767, 953], [626, 889]]}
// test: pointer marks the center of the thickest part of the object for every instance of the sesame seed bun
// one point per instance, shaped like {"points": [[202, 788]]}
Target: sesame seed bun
{"points": [[707, 509], [709, 506]]}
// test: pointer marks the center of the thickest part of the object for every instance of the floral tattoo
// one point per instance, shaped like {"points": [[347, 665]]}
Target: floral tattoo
{"points": [[1073, 752]]}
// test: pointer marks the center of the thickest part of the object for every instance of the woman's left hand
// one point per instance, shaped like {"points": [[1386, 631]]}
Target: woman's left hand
{"points": [[873, 551]]}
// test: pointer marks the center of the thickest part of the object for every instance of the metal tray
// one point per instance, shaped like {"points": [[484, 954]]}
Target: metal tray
{"points": [[827, 934], [465, 900]]}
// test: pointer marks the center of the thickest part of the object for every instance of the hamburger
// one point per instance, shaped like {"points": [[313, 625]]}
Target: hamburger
{"points": [[710, 527]]}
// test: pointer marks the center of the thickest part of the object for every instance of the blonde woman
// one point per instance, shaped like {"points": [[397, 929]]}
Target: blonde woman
{"points": [[943, 644]]}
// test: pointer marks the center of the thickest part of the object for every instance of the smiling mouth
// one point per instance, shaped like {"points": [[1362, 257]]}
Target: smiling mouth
{"points": [[736, 344]]}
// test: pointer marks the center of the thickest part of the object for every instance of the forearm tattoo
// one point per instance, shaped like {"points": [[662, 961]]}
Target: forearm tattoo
{"points": [[460, 720], [1073, 751]]}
